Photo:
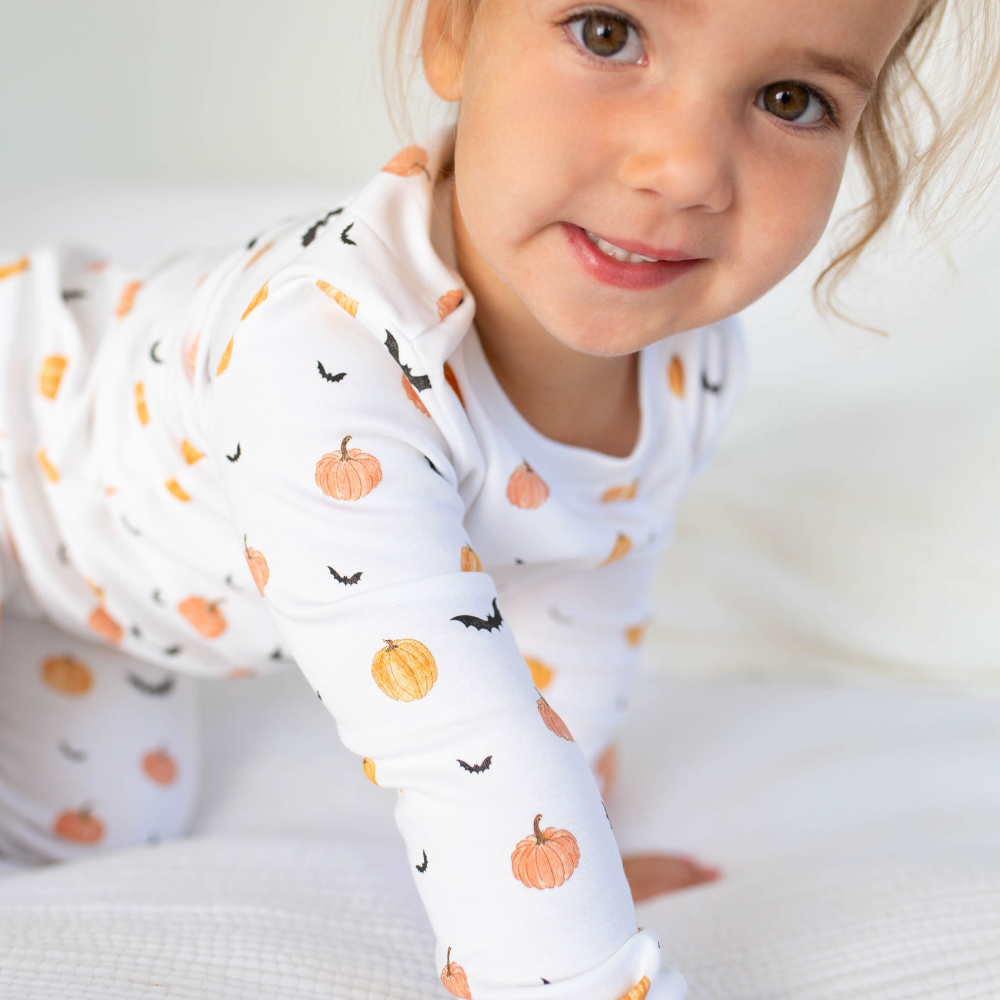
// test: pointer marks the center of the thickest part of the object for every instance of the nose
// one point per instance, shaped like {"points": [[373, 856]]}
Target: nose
{"points": [[683, 157]]}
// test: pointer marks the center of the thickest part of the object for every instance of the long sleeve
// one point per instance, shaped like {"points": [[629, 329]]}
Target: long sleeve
{"points": [[350, 504]]}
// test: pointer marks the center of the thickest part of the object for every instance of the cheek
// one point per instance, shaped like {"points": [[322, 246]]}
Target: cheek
{"points": [[788, 204]]}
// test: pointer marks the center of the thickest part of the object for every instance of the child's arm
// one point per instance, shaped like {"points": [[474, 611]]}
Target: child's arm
{"points": [[347, 490]]}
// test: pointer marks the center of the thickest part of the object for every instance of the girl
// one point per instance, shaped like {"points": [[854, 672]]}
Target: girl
{"points": [[439, 432]]}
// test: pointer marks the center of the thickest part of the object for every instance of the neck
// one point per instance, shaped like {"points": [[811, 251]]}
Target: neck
{"points": [[571, 397]]}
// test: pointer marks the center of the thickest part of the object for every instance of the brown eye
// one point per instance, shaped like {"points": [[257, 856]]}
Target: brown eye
{"points": [[607, 35], [792, 102], [604, 35]]}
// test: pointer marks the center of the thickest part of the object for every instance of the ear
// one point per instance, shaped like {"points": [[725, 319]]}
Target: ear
{"points": [[443, 57]]}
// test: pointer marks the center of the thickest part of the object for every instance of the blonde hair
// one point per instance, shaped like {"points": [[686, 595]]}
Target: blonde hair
{"points": [[903, 139]]}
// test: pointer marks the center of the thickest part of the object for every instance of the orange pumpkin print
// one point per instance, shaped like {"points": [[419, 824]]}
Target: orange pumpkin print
{"points": [[344, 301], [175, 488], [348, 475], [226, 357], [616, 493], [449, 302], [257, 256], [190, 452], [553, 720], [470, 561], [239, 673], [204, 616], [414, 397], [622, 546], [258, 566], [80, 825], [160, 767], [546, 858], [408, 162], [639, 991], [541, 675], [634, 634], [254, 302], [140, 404], [51, 374], [127, 299], [95, 588], [526, 488], [7, 270], [454, 980], [452, 380], [98, 265], [404, 669], [105, 626], [191, 357], [675, 376], [67, 675], [368, 765], [51, 472]]}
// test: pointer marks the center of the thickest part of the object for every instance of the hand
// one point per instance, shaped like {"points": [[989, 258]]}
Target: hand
{"points": [[654, 874]]}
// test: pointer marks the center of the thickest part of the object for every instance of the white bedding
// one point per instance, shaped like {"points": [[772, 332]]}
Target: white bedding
{"points": [[857, 828]]}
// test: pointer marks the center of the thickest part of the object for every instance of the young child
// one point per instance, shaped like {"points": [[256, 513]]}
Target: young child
{"points": [[427, 443]]}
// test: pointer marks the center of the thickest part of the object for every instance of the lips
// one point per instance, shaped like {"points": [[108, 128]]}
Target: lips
{"points": [[627, 264]]}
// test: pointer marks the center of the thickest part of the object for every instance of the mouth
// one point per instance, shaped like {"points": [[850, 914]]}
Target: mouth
{"points": [[626, 263]]}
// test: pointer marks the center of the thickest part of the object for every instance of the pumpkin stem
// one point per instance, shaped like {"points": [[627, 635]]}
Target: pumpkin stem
{"points": [[391, 643], [344, 457], [447, 963], [539, 839]]}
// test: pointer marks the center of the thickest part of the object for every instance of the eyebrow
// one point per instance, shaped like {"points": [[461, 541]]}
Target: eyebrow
{"points": [[852, 70]]}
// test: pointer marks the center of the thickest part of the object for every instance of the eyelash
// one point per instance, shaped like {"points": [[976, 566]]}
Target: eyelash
{"points": [[831, 121]]}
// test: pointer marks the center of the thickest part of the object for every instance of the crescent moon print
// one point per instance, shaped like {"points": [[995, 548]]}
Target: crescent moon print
{"points": [[154, 690], [69, 294], [153, 355], [75, 755], [708, 386]]}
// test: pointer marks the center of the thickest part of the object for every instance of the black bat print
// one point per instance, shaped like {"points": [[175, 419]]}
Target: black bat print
{"points": [[128, 527], [419, 382], [68, 294], [62, 555], [229, 582], [422, 867], [235, 457], [519, 562], [477, 768], [67, 751], [136, 631], [276, 655], [495, 620], [156, 690], [348, 581], [157, 599], [251, 244], [172, 651], [433, 466], [327, 375], [310, 234], [152, 353], [544, 980], [318, 695], [708, 387], [344, 238]]}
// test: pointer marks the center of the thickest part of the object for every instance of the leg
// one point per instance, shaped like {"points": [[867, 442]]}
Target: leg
{"points": [[97, 750]]}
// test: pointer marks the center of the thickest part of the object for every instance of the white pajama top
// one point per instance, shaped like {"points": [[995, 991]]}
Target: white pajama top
{"points": [[297, 450]]}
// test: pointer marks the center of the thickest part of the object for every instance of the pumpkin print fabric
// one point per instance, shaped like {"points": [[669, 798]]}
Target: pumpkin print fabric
{"points": [[309, 422]]}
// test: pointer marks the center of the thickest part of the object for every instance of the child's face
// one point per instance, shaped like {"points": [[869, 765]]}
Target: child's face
{"points": [[709, 134]]}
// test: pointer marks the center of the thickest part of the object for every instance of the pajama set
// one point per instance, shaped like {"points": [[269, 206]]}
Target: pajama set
{"points": [[296, 451]]}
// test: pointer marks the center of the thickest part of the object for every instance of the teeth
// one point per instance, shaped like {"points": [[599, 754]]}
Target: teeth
{"points": [[621, 255]]}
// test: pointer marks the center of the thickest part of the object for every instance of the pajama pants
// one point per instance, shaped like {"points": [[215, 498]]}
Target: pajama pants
{"points": [[97, 750]]}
